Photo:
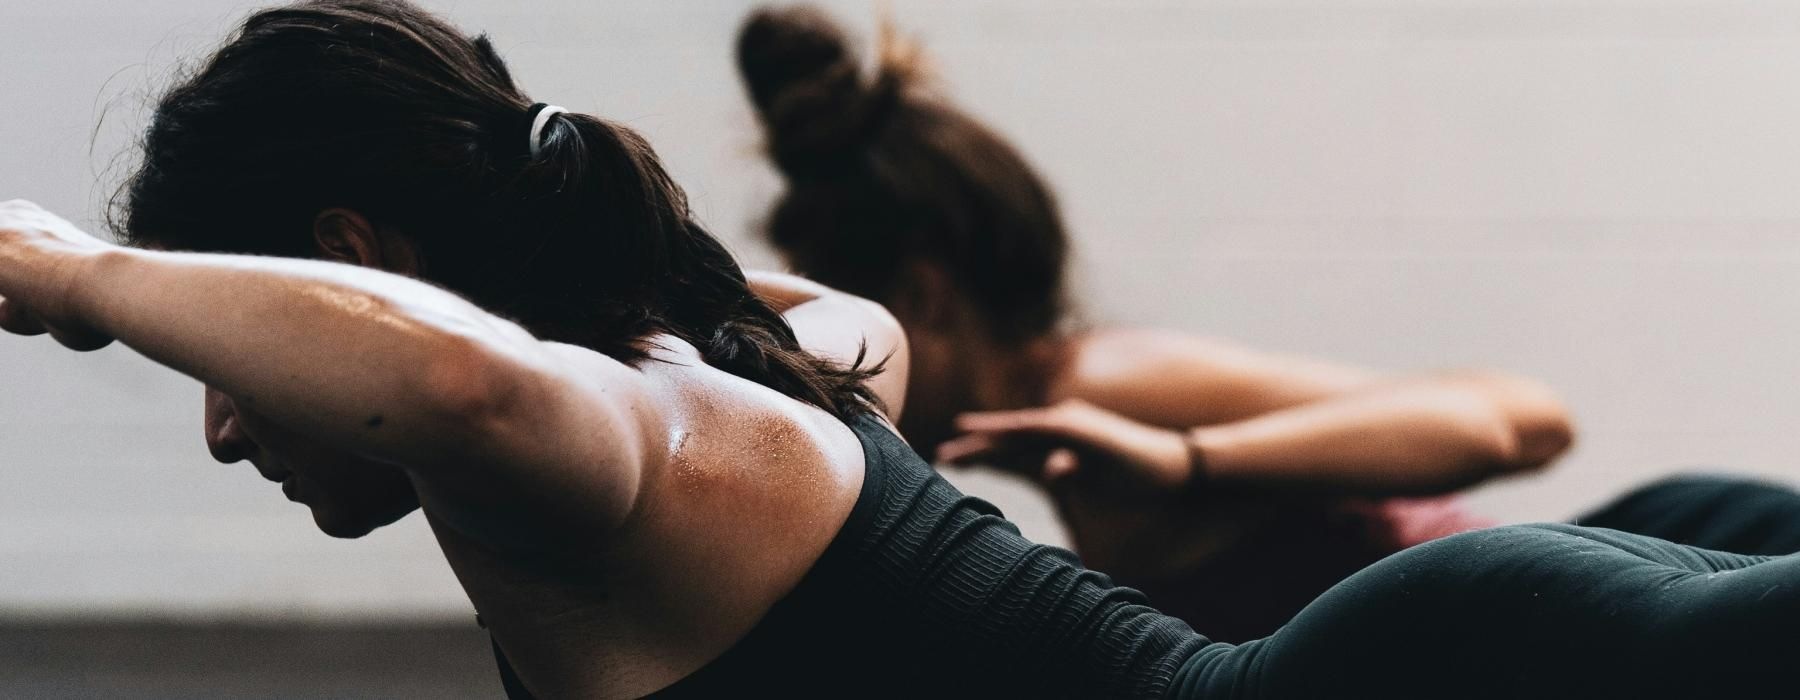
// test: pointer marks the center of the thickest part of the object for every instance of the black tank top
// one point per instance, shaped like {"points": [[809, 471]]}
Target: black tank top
{"points": [[926, 592]]}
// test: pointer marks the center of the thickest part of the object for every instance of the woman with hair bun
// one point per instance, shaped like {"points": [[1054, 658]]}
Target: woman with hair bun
{"points": [[408, 286], [1233, 486]]}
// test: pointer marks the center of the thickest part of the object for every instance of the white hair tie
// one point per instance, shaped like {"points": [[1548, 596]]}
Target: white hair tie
{"points": [[537, 125]]}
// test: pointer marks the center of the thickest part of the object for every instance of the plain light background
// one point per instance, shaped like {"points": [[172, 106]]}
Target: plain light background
{"points": [[1598, 194]]}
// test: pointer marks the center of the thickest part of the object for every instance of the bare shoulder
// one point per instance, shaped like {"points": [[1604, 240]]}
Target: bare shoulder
{"points": [[1179, 379], [1101, 362], [709, 446], [754, 487], [719, 425], [736, 481], [586, 369]]}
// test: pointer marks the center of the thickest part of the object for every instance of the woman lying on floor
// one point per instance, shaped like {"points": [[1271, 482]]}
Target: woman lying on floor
{"points": [[1312, 469]]}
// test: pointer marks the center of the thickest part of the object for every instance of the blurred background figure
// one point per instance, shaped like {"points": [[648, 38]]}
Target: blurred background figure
{"points": [[895, 195], [1595, 195]]}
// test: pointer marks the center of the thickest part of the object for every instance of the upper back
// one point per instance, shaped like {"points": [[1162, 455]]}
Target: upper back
{"points": [[753, 487], [924, 592]]}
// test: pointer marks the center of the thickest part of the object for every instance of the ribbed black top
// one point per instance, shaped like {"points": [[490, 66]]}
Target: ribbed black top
{"points": [[926, 592]]}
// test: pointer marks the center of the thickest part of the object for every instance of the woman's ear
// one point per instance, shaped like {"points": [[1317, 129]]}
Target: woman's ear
{"points": [[342, 235]]}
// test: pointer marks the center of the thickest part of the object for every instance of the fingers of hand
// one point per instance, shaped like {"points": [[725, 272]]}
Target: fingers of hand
{"points": [[80, 340], [15, 318], [1061, 463], [16, 215], [1019, 453], [987, 421], [30, 224], [1053, 421], [965, 448]]}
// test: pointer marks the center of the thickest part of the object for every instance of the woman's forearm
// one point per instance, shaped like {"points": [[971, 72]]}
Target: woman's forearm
{"points": [[373, 362], [1418, 437]]}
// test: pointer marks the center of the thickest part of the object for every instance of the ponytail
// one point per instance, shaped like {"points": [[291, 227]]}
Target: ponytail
{"points": [[700, 293], [883, 172], [384, 108]]}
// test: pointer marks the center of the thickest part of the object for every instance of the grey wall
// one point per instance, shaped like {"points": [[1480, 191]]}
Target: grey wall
{"points": [[1596, 193]]}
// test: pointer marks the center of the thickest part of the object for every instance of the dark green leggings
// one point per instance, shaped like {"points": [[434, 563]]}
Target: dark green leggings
{"points": [[1529, 611], [1726, 513]]}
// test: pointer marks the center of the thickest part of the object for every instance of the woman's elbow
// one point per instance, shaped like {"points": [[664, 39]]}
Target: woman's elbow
{"points": [[1517, 450], [1534, 426], [1521, 425], [1490, 449], [1543, 440]]}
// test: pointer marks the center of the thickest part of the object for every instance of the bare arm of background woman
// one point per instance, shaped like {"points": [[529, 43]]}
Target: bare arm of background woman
{"points": [[839, 326], [1280, 422]]}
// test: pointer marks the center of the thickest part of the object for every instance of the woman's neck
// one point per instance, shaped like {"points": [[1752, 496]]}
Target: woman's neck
{"points": [[1010, 376]]}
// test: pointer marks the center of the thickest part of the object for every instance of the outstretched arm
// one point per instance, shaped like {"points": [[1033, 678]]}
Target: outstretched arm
{"points": [[371, 362]]}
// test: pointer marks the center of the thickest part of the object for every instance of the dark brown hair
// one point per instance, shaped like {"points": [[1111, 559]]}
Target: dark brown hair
{"points": [[880, 172], [382, 108]]}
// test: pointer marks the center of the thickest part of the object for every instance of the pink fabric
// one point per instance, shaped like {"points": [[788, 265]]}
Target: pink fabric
{"points": [[1254, 587], [1403, 522]]}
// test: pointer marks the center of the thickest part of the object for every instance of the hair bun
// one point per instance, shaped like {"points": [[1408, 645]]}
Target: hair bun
{"points": [[808, 87]]}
